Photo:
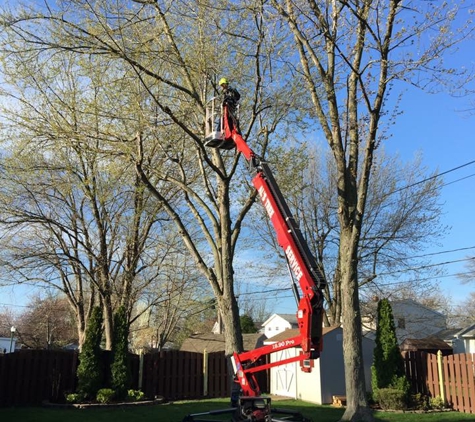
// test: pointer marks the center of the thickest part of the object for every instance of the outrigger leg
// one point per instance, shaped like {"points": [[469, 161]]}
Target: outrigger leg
{"points": [[251, 409]]}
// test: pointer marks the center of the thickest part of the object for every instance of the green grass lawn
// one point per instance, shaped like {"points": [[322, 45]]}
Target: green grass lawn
{"points": [[174, 412]]}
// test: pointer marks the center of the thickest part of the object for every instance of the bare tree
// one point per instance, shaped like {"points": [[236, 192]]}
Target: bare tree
{"points": [[47, 323], [402, 217], [184, 301], [469, 275], [351, 54], [7, 320], [462, 315]]}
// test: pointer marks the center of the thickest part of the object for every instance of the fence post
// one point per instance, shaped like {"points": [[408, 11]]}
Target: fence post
{"points": [[140, 369], [441, 376], [205, 373]]}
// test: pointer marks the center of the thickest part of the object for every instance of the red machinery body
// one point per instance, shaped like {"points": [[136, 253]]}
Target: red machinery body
{"points": [[302, 265], [307, 284]]}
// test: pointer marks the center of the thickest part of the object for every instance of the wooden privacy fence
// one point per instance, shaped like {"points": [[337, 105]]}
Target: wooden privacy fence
{"points": [[179, 375], [29, 377], [450, 377]]}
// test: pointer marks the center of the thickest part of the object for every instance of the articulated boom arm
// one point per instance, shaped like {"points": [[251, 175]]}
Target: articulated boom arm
{"points": [[301, 262]]}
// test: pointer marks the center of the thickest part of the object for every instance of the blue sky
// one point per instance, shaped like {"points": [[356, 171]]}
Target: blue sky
{"points": [[435, 125]]}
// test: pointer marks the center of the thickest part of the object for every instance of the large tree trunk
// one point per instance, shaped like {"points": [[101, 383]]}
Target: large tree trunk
{"points": [[108, 321], [356, 406], [227, 302]]}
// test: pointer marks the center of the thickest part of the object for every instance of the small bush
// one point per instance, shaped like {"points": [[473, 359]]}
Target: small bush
{"points": [[135, 395], [419, 401], [105, 395], [437, 403], [74, 398], [402, 384], [391, 399]]}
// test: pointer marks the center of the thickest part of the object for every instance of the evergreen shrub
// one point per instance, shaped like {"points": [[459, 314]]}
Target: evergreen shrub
{"points": [[120, 369], [90, 368]]}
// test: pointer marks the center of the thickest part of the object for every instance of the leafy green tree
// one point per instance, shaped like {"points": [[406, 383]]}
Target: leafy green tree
{"points": [[388, 365], [90, 369], [161, 129], [120, 370], [248, 325]]}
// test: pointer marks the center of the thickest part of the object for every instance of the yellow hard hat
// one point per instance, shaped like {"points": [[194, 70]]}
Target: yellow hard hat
{"points": [[223, 81]]}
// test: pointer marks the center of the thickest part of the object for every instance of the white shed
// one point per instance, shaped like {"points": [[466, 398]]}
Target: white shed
{"points": [[327, 378]]}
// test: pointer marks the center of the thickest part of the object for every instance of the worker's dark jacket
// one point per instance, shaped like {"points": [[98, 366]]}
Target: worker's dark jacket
{"points": [[230, 97]]}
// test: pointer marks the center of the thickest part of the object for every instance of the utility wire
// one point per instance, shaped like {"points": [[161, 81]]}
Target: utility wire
{"points": [[434, 177], [442, 252], [423, 267], [458, 180]]}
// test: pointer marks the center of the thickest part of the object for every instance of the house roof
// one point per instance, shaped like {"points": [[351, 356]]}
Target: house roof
{"points": [[448, 334], [469, 332], [293, 332], [412, 302], [215, 342], [428, 343], [291, 318], [453, 333], [398, 306]]}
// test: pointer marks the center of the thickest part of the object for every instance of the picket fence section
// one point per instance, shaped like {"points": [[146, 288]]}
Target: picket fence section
{"points": [[459, 381], [451, 378], [30, 377]]}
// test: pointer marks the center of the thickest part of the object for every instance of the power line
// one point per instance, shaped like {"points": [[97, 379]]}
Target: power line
{"points": [[394, 283], [435, 176], [458, 180], [443, 252], [423, 267]]}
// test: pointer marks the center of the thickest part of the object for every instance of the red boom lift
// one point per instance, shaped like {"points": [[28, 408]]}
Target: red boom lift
{"points": [[222, 132]]}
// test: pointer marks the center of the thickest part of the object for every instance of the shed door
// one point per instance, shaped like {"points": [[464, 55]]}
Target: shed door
{"points": [[284, 381]]}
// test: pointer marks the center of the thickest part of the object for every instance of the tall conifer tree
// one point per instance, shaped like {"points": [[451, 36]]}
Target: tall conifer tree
{"points": [[388, 365], [90, 369], [120, 370]]}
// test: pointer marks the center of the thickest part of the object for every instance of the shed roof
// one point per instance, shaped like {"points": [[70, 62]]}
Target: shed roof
{"points": [[428, 343], [215, 342], [292, 332]]}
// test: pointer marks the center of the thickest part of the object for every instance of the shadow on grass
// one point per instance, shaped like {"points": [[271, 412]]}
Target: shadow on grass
{"points": [[175, 412]]}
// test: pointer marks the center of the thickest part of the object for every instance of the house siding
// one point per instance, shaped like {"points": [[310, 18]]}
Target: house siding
{"points": [[277, 324]]}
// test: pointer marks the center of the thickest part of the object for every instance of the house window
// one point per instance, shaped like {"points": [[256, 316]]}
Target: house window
{"points": [[269, 328], [401, 323]]}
